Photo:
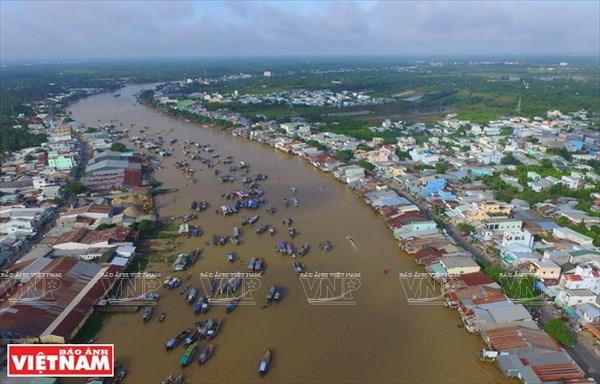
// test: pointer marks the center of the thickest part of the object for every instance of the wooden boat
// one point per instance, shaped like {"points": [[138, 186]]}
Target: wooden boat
{"points": [[188, 355], [298, 266], [325, 245], [274, 294], [147, 313], [262, 229], [251, 264], [230, 257], [162, 317], [205, 354], [191, 295], [175, 341], [259, 265], [191, 338], [303, 249], [210, 328], [265, 362], [230, 307]]}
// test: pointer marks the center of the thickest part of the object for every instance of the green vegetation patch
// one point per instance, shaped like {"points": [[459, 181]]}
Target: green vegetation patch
{"points": [[561, 332]]}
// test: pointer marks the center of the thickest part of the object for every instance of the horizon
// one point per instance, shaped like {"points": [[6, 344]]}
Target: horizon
{"points": [[283, 57], [66, 31]]}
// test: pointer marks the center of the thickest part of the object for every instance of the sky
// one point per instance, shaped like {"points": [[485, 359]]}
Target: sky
{"points": [[40, 30]]}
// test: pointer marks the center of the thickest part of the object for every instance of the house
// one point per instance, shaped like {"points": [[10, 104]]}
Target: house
{"points": [[540, 185], [572, 182], [434, 186], [350, 173], [484, 210], [109, 174], [459, 265], [384, 154], [570, 235], [588, 256], [296, 128], [503, 225], [61, 163], [581, 277], [570, 297], [587, 313], [497, 314], [531, 355], [410, 224], [543, 269]]}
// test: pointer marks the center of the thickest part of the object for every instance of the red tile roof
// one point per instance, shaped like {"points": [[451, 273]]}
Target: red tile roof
{"points": [[115, 234], [573, 277], [132, 176], [72, 236], [475, 278]]}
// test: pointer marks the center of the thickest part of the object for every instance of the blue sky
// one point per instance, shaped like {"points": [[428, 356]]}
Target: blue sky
{"points": [[111, 29]]}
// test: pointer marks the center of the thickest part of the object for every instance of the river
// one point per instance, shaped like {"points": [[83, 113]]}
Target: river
{"points": [[379, 339]]}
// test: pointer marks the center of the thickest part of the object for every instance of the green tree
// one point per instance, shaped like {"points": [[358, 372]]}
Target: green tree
{"points": [[344, 155], [104, 226], [75, 188], [466, 228], [366, 165], [560, 331], [442, 166], [402, 155], [144, 227], [510, 159], [119, 147]]}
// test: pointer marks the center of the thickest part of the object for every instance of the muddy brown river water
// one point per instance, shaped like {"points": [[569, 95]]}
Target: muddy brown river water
{"points": [[379, 339]]}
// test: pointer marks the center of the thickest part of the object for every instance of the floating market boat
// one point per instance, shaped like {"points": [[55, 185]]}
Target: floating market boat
{"points": [[188, 355], [175, 341], [274, 294], [262, 229], [298, 266], [210, 328], [325, 245], [265, 362], [148, 311], [205, 354], [191, 295], [162, 317], [230, 307], [191, 338]]}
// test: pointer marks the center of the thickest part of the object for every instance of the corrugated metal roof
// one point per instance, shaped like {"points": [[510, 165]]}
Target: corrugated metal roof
{"points": [[33, 306]]}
